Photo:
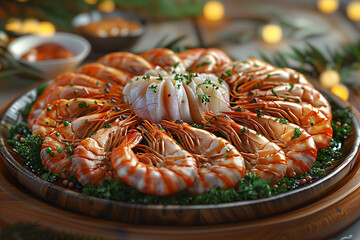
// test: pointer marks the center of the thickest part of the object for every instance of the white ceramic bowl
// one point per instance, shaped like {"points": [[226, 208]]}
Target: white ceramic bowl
{"points": [[78, 45]]}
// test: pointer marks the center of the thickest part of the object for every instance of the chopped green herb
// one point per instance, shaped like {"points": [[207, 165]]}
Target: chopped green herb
{"points": [[153, 87], [268, 76], [286, 99], [273, 92], [259, 112], [48, 176], [291, 86], [297, 133], [312, 123], [86, 120], [203, 64], [83, 104], [281, 120], [160, 77], [176, 64], [66, 144], [75, 91], [228, 73], [204, 98], [67, 104]]}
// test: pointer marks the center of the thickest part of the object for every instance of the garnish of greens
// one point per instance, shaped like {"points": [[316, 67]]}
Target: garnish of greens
{"points": [[250, 187]]}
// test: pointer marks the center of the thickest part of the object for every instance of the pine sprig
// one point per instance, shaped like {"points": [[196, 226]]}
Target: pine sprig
{"points": [[11, 66], [312, 62]]}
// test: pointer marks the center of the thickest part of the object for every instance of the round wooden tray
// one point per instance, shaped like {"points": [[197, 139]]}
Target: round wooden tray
{"points": [[172, 214]]}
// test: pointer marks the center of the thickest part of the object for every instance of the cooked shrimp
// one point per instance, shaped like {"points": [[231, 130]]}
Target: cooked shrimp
{"points": [[162, 57], [220, 164], [72, 81], [62, 110], [190, 56], [105, 73], [59, 144], [211, 61], [293, 93], [127, 62], [91, 159], [304, 115], [244, 76], [163, 167], [298, 145], [262, 157]]}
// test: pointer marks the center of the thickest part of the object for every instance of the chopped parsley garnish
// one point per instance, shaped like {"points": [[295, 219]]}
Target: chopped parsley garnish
{"points": [[153, 87], [160, 77], [106, 125], [83, 104], [259, 112], [291, 86], [207, 82], [176, 64], [203, 64], [273, 92], [281, 120], [204, 98], [297, 133], [228, 73], [146, 77], [268, 76]]}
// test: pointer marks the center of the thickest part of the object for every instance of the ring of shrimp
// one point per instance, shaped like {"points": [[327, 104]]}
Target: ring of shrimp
{"points": [[163, 172]]}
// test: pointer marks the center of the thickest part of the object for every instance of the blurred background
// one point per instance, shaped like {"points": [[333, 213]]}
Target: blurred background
{"points": [[319, 38]]}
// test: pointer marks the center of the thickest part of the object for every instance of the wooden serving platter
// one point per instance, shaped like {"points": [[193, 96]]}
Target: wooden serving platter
{"points": [[315, 211]]}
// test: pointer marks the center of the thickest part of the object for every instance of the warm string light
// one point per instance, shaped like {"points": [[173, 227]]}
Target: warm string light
{"points": [[272, 33], [341, 91], [106, 6], [328, 6], [329, 78], [353, 11], [30, 26], [213, 10]]}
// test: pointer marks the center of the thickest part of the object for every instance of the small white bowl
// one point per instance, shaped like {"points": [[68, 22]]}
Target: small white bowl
{"points": [[78, 45]]}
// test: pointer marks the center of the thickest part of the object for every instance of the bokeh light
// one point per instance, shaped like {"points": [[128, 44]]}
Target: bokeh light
{"points": [[106, 6], [353, 10], [272, 33], [341, 91], [214, 10], [13, 25], [329, 78], [91, 2], [46, 28], [328, 6]]}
